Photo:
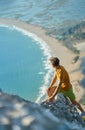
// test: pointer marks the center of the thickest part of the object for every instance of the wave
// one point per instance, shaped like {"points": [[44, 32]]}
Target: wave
{"points": [[47, 54]]}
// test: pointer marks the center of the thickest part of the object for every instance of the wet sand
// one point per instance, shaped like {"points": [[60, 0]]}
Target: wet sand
{"points": [[65, 55]]}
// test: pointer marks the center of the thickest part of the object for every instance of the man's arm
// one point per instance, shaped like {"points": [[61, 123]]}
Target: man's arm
{"points": [[53, 80], [55, 92], [52, 83]]}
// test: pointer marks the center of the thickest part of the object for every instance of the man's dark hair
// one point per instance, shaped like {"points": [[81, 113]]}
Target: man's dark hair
{"points": [[55, 61]]}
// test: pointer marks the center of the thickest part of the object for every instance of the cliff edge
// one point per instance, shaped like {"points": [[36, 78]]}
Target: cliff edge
{"points": [[17, 113]]}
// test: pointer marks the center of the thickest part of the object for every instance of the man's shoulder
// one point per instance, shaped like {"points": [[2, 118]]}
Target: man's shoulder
{"points": [[62, 67]]}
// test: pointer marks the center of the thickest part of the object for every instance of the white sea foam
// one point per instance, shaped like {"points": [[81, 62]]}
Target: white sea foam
{"points": [[47, 54]]}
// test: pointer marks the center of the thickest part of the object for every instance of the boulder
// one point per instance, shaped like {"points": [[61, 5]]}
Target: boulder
{"points": [[17, 113], [62, 108]]}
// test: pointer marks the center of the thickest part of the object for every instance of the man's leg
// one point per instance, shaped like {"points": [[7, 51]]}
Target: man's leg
{"points": [[51, 91], [74, 102], [72, 98]]}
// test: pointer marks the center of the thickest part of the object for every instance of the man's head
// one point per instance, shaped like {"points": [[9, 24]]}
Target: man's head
{"points": [[54, 61]]}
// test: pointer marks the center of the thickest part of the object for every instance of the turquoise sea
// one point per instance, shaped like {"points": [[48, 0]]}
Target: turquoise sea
{"points": [[24, 66], [22, 63]]}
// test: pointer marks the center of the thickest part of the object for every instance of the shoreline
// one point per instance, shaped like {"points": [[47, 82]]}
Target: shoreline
{"points": [[65, 55]]}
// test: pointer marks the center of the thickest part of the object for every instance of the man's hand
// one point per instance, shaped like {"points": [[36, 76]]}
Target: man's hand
{"points": [[50, 99], [48, 89]]}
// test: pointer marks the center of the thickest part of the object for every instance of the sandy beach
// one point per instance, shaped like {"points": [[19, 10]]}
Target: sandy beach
{"points": [[66, 56]]}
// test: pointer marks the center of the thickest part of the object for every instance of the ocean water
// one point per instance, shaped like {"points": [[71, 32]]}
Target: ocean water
{"points": [[23, 66], [46, 13]]}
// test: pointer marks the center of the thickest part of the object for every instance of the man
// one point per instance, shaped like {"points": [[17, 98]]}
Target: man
{"points": [[64, 85]]}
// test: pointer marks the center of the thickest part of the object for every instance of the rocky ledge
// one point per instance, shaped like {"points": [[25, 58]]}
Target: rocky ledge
{"points": [[19, 114]]}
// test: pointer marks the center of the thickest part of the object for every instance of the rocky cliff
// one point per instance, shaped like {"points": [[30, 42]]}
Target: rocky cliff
{"points": [[19, 114]]}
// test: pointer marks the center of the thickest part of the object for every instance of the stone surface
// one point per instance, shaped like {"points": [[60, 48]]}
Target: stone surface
{"points": [[19, 114], [62, 108]]}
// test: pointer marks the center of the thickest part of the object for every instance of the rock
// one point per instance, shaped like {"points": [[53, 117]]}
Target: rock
{"points": [[63, 109], [19, 114]]}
